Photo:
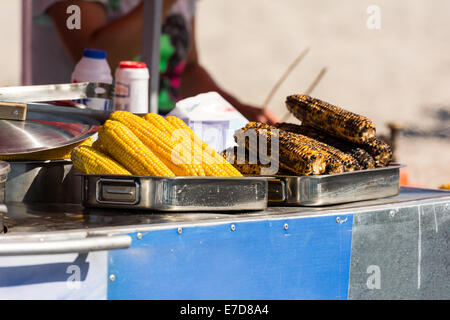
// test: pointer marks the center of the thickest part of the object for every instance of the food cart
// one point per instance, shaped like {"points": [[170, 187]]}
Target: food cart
{"points": [[281, 240], [390, 248]]}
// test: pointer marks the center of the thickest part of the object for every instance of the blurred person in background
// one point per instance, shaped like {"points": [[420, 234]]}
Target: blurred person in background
{"points": [[116, 27]]}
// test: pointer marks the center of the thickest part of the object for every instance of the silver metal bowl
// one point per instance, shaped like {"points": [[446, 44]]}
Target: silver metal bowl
{"points": [[43, 182]]}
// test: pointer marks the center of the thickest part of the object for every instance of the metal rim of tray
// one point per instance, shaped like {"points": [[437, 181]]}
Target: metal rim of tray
{"points": [[389, 167], [173, 178]]}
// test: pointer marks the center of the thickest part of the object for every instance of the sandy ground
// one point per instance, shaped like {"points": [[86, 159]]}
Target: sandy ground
{"points": [[396, 73]]}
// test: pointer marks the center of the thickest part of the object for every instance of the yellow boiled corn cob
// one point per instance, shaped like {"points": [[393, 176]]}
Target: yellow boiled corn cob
{"points": [[162, 145], [90, 161], [125, 147], [62, 153], [445, 186], [331, 119], [97, 145], [194, 146], [183, 141], [209, 155], [183, 135]]}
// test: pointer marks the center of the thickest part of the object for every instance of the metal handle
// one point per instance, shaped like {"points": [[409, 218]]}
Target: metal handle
{"points": [[13, 111], [56, 92], [66, 246], [118, 191], [38, 110]]}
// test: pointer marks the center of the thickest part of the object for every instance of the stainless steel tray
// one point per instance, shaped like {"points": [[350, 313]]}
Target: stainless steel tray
{"points": [[335, 189], [183, 194]]}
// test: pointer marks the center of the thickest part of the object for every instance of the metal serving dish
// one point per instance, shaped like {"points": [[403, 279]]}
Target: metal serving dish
{"points": [[43, 182], [183, 194], [335, 189]]}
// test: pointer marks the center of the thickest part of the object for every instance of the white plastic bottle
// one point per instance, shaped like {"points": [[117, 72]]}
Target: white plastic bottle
{"points": [[131, 87], [93, 67]]}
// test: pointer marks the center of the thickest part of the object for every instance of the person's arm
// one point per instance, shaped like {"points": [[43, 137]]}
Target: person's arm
{"points": [[196, 80], [121, 38]]}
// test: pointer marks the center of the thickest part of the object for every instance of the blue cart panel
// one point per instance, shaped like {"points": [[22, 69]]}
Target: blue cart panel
{"points": [[303, 258]]}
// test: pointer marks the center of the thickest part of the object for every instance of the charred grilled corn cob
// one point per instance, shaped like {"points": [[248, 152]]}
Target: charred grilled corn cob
{"points": [[295, 155], [160, 143], [91, 161], [247, 166], [336, 161], [445, 186], [364, 159], [63, 153], [331, 119], [126, 148], [349, 154], [379, 150], [209, 156]]}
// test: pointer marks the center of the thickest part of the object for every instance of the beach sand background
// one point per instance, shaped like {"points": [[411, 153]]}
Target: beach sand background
{"points": [[399, 72]]}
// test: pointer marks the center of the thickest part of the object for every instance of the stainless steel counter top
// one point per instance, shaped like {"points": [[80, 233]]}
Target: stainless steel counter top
{"points": [[38, 219]]}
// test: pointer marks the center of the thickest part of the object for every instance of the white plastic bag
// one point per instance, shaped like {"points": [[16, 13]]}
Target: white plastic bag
{"points": [[212, 118]]}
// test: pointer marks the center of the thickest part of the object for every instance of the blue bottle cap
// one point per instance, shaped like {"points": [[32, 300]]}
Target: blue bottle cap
{"points": [[95, 54]]}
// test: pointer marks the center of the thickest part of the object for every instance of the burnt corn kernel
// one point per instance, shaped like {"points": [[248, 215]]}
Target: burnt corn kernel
{"points": [[374, 153], [295, 154], [331, 119], [365, 160], [379, 150], [333, 164], [245, 166], [348, 162]]}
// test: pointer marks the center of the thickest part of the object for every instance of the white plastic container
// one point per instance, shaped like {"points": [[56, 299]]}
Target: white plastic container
{"points": [[93, 67], [131, 87]]}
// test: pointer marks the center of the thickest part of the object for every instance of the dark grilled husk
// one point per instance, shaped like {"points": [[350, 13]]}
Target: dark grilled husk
{"points": [[330, 144], [331, 119], [380, 151], [295, 155]]}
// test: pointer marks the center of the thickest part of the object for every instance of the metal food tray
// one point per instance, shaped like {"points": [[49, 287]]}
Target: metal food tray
{"points": [[335, 189], [179, 194]]}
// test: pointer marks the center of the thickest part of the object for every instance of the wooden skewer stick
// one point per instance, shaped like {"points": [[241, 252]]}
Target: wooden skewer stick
{"points": [[284, 77], [309, 90]]}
